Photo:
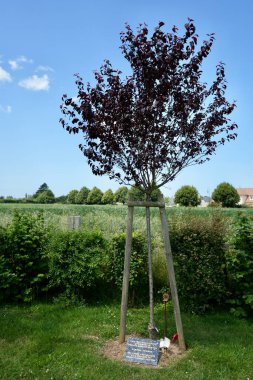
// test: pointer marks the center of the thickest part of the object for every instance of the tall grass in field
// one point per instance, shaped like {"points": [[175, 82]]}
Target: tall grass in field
{"points": [[110, 219]]}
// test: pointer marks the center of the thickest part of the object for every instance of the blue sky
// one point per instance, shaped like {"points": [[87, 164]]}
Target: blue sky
{"points": [[44, 43]]}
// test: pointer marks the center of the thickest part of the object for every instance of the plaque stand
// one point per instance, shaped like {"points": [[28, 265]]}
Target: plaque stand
{"points": [[169, 262]]}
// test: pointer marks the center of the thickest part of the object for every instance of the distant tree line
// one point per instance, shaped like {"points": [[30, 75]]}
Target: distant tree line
{"points": [[44, 195], [96, 196], [224, 195]]}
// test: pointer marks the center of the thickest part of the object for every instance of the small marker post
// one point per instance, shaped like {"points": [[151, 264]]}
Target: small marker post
{"points": [[165, 301]]}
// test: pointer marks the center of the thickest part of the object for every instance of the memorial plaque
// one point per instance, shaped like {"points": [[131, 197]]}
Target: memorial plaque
{"points": [[143, 351]]}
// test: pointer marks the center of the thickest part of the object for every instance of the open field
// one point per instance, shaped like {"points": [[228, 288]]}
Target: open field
{"points": [[52, 342], [110, 219]]}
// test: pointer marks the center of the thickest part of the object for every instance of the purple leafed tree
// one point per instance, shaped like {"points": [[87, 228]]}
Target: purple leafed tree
{"points": [[144, 129]]}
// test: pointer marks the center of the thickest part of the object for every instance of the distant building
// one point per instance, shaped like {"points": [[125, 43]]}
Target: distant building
{"points": [[205, 200], [246, 196]]}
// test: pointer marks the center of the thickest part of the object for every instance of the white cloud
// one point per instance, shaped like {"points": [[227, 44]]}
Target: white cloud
{"points": [[22, 58], [4, 75], [6, 109], [16, 63], [35, 83], [44, 68]]}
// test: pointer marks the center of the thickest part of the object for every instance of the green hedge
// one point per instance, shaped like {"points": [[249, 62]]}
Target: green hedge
{"points": [[213, 262], [78, 264], [23, 258], [83, 265], [239, 265], [199, 248], [138, 278]]}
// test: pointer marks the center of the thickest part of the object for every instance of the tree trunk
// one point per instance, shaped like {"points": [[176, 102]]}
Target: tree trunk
{"points": [[151, 327]]}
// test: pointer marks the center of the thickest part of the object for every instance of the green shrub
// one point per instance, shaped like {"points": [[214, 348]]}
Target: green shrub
{"points": [[23, 259], [138, 280], [213, 259], [85, 266], [239, 259], [78, 264], [161, 281], [5, 273], [198, 247]]}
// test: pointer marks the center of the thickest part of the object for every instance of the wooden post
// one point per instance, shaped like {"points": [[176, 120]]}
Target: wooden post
{"points": [[151, 327], [124, 299], [172, 279]]}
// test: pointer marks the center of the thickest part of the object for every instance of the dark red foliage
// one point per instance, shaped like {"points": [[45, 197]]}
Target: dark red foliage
{"points": [[146, 128]]}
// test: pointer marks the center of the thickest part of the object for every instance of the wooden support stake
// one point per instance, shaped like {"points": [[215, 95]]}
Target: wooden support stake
{"points": [[169, 262], [124, 299], [172, 279]]}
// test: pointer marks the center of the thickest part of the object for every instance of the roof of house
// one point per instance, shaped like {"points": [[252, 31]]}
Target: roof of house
{"points": [[245, 191]]}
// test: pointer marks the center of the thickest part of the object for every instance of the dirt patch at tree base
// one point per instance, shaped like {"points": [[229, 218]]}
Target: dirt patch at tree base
{"points": [[114, 350]]}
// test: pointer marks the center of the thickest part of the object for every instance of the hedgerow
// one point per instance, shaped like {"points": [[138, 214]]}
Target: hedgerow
{"points": [[78, 264], [239, 264], [213, 259], [199, 248], [23, 258]]}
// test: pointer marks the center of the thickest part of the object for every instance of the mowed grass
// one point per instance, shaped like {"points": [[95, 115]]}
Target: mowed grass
{"points": [[53, 342]]}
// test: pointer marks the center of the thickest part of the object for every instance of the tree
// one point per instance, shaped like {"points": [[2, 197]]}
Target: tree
{"points": [[139, 195], [82, 196], [136, 194], [46, 196], [166, 200], [121, 194], [95, 196], [177, 119], [144, 129], [43, 187], [226, 194], [187, 196], [72, 196], [61, 199], [155, 195], [108, 197]]}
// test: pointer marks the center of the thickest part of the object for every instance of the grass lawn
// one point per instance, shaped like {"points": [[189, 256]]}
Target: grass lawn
{"points": [[52, 342]]}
